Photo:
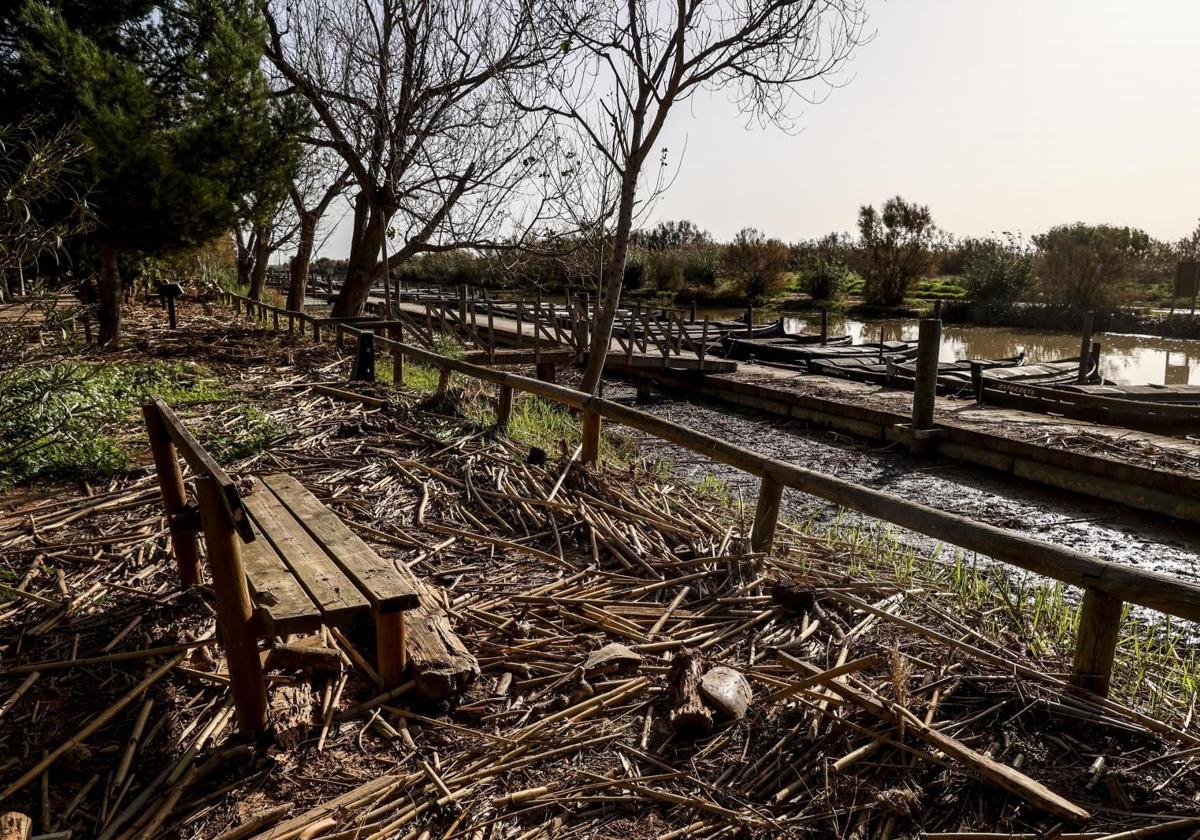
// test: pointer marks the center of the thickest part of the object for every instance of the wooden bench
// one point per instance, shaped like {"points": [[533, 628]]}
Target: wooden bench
{"points": [[281, 563]]}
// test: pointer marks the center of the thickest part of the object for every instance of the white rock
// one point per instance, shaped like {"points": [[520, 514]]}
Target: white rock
{"points": [[726, 691]]}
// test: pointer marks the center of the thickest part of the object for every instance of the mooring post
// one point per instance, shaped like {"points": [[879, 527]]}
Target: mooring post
{"points": [[174, 496], [766, 514], [692, 313], [1096, 642], [925, 393], [591, 436], [1094, 364], [504, 405], [364, 358], [937, 309], [749, 321], [977, 381], [235, 611], [396, 333], [824, 325], [1085, 348]]}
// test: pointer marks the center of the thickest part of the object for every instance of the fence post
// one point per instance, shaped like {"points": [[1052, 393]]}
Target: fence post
{"points": [[364, 358], [1096, 643], [235, 612], [462, 304], [766, 514], [925, 393], [396, 333], [316, 331], [504, 407], [1085, 347], [174, 496], [591, 436]]}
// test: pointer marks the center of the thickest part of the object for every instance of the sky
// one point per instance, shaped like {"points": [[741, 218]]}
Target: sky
{"points": [[1000, 115]]}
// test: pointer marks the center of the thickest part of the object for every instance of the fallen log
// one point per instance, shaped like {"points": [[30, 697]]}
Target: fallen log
{"points": [[441, 665]]}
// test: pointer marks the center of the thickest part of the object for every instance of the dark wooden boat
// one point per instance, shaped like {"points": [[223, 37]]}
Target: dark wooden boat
{"points": [[1042, 374], [953, 377], [1175, 394], [796, 349]]}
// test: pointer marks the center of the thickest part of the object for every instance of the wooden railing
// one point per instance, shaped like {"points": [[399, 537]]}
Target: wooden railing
{"points": [[1107, 585]]}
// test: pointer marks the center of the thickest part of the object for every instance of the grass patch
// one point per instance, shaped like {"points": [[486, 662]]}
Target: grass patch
{"points": [[252, 432], [63, 421]]}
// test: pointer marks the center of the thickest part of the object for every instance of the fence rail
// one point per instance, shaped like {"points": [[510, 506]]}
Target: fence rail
{"points": [[1106, 584]]}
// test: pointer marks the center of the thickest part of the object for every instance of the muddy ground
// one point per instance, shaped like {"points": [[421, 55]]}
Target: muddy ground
{"points": [[1102, 529]]}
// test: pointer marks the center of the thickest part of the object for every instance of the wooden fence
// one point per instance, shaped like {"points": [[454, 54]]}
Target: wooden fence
{"points": [[1107, 585]]}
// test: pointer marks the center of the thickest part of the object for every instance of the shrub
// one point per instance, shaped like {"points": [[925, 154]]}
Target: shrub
{"points": [[821, 267], [1089, 266], [997, 271], [757, 264], [896, 243]]}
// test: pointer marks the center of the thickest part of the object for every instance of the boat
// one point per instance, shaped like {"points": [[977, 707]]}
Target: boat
{"points": [[789, 350], [952, 377], [1173, 394], [1042, 374]]}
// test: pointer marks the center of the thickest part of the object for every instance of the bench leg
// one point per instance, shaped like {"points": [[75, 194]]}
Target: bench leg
{"points": [[170, 482], [235, 612], [391, 656]]}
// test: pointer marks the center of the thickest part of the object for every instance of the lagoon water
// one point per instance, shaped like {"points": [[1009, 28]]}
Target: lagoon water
{"points": [[1124, 359]]}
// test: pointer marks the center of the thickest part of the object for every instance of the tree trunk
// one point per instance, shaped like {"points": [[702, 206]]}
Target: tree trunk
{"points": [[363, 266], [298, 285], [614, 277], [245, 259], [109, 300], [262, 255]]}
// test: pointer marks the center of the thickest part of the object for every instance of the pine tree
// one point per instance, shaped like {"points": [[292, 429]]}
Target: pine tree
{"points": [[178, 118]]}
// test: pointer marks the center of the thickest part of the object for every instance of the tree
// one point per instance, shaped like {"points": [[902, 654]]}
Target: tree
{"points": [[821, 267], [997, 271], [624, 66], [896, 244], [311, 193], [669, 235], [757, 263], [174, 110], [1089, 266], [413, 97]]}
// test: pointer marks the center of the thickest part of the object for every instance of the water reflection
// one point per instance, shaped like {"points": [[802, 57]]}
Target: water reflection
{"points": [[1124, 359]]}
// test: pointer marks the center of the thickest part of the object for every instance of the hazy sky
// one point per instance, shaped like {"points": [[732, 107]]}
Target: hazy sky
{"points": [[998, 114]]}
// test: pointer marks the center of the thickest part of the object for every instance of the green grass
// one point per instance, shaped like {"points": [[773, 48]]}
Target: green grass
{"points": [[64, 421], [254, 433]]}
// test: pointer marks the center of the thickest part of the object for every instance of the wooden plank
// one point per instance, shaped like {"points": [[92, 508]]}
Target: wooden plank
{"points": [[203, 464], [389, 587], [282, 605], [330, 589]]}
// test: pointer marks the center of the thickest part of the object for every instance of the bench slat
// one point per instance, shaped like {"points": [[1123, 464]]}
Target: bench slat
{"points": [[283, 605], [329, 588], [389, 588]]}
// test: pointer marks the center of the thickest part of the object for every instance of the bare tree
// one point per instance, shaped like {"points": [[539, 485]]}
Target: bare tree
{"points": [[408, 93], [624, 66], [316, 186]]}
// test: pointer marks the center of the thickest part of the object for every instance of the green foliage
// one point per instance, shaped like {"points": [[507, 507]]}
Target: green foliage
{"points": [[938, 288], [757, 264], [63, 421], [174, 110], [254, 432], [820, 267], [1089, 266], [997, 272], [896, 243]]}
